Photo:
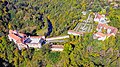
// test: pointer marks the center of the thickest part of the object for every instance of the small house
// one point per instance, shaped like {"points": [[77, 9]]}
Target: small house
{"points": [[100, 18], [57, 47]]}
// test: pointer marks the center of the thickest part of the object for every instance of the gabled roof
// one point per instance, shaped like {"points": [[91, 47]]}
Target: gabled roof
{"points": [[102, 25], [13, 36], [99, 16], [12, 31], [100, 34], [18, 37], [113, 29], [57, 46], [22, 40], [19, 41], [110, 30]]}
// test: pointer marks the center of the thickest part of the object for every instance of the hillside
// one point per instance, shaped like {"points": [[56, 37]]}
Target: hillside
{"points": [[54, 18]]}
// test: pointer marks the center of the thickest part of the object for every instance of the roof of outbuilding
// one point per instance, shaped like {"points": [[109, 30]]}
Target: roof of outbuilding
{"points": [[57, 46]]}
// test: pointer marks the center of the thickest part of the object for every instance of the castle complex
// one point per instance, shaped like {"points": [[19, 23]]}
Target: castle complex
{"points": [[103, 31]]}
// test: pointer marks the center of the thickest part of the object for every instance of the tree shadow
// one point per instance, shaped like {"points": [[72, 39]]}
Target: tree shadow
{"points": [[4, 63]]}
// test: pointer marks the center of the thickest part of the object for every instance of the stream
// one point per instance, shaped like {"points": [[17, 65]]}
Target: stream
{"points": [[50, 27]]}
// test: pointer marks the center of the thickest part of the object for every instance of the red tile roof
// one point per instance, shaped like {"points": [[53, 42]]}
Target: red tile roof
{"points": [[13, 36], [10, 31], [99, 16], [19, 41], [100, 34], [57, 46], [102, 25], [113, 29]]}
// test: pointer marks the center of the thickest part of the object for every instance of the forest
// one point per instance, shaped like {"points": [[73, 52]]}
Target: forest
{"points": [[32, 17]]}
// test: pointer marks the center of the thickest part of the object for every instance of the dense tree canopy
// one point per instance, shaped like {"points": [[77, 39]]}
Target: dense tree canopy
{"points": [[33, 16]]}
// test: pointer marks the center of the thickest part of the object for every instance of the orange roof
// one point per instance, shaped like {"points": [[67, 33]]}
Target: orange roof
{"points": [[57, 46], [113, 29], [19, 41], [100, 34], [102, 25], [10, 31], [14, 37], [99, 16]]}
